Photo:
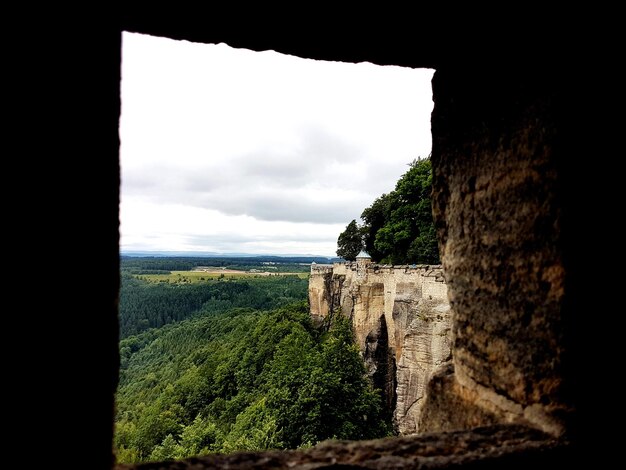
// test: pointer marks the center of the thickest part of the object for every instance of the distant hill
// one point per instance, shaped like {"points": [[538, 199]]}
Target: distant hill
{"points": [[250, 257]]}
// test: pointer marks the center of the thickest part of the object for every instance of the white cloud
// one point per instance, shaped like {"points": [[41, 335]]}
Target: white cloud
{"points": [[231, 150]]}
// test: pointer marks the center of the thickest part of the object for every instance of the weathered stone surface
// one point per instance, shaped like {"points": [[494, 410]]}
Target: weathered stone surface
{"points": [[501, 446], [402, 324], [427, 346], [322, 286], [498, 215], [364, 303], [449, 406]]}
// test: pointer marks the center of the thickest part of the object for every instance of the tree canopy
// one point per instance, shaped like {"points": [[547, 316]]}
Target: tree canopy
{"points": [[242, 380], [145, 305], [350, 242], [398, 227]]}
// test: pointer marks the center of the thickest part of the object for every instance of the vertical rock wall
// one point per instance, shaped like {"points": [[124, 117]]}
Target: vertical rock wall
{"points": [[402, 322], [497, 195]]}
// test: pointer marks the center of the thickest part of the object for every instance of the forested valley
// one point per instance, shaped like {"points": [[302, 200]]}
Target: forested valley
{"points": [[145, 305], [224, 364]]}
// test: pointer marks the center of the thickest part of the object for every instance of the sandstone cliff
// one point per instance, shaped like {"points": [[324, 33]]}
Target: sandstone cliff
{"points": [[402, 322]]}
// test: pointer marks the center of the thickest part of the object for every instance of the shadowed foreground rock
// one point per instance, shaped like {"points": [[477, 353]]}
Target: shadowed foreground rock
{"points": [[500, 446]]}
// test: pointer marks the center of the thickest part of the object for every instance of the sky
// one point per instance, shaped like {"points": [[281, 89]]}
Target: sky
{"points": [[228, 150]]}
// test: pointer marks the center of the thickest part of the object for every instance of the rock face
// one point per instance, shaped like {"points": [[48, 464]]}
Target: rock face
{"points": [[426, 348], [402, 321], [497, 193]]}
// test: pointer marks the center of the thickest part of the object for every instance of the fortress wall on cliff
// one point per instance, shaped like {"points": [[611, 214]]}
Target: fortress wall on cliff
{"points": [[401, 318]]}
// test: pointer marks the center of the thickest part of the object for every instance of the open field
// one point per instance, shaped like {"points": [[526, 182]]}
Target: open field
{"points": [[214, 270], [192, 277]]}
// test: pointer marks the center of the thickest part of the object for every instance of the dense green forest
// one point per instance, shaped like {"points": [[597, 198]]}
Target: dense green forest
{"points": [[216, 378], [398, 227], [144, 305]]}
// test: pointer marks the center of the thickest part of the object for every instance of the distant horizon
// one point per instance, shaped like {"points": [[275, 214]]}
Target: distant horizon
{"points": [[210, 254]]}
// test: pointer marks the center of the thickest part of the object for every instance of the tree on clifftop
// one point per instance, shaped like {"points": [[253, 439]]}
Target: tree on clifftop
{"points": [[350, 243], [408, 235], [398, 227]]}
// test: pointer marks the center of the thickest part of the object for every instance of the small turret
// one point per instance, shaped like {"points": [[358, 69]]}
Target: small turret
{"points": [[362, 261]]}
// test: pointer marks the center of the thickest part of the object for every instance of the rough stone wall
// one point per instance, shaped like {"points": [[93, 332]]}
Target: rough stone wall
{"points": [[426, 348], [402, 322], [496, 196], [319, 291]]}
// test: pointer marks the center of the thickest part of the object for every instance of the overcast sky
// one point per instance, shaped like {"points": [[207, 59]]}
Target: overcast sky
{"points": [[228, 150]]}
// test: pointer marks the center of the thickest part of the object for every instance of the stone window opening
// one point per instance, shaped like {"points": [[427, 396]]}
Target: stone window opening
{"points": [[503, 195]]}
